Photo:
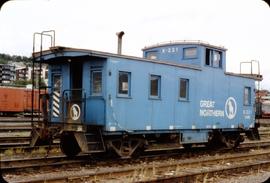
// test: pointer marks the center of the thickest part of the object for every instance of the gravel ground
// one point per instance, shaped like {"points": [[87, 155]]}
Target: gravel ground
{"points": [[249, 177], [258, 177]]}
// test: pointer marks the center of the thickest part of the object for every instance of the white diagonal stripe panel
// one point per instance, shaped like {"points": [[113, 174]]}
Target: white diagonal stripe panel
{"points": [[56, 103]]}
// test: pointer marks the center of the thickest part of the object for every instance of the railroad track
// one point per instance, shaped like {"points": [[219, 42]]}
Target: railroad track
{"points": [[18, 158], [15, 133], [264, 128], [58, 160], [195, 169], [264, 132], [26, 151]]}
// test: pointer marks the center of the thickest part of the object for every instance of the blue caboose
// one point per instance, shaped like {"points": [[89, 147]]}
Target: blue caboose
{"points": [[178, 94]]}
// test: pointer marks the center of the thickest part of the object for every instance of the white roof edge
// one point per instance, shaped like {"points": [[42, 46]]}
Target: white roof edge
{"points": [[256, 77], [194, 42]]}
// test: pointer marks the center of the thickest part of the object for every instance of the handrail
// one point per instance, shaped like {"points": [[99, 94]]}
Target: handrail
{"points": [[51, 34], [251, 66], [256, 75]]}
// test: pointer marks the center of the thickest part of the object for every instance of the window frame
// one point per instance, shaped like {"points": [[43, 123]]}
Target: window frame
{"points": [[207, 61], [92, 82], [190, 57], [152, 55], [209, 56], [128, 94], [59, 76], [215, 52], [187, 81], [248, 97], [158, 77]]}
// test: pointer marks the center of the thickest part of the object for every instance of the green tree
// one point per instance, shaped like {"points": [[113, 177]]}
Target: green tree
{"points": [[4, 58], [22, 82]]}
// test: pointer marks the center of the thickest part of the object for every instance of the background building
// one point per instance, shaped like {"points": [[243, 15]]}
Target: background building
{"points": [[18, 74], [7, 73]]}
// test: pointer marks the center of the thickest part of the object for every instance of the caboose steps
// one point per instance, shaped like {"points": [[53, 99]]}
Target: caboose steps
{"points": [[95, 141]]}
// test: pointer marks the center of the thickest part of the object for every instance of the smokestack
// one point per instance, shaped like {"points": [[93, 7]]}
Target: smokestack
{"points": [[119, 48]]}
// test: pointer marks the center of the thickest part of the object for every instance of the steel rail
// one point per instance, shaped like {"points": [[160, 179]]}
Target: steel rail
{"points": [[177, 170]]}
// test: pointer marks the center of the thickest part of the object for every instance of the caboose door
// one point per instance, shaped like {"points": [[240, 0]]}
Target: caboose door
{"points": [[74, 97], [76, 77]]}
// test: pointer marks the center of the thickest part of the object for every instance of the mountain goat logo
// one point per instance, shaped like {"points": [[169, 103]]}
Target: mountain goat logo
{"points": [[230, 108], [75, 112]]}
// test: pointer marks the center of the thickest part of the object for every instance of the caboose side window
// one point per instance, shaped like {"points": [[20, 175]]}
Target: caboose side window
{"points": [[247, 96], [124, 84], [213, 58], [190, 53], [151, 55], [216, 58], [155, 86], [57, 82], [96, 82], [184, 89]]}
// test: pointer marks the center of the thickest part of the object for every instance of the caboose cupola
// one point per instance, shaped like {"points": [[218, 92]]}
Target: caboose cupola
{"points": [[188, 52]]}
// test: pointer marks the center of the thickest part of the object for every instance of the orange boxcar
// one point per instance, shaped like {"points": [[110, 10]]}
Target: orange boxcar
{"points": [[16, 100]]}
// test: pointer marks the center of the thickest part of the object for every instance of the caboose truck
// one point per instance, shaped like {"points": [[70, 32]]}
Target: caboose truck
{"points": [[178, 94]]}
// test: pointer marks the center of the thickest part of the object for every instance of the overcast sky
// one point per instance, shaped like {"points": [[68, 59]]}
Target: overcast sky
{"points": [[241, 26]]}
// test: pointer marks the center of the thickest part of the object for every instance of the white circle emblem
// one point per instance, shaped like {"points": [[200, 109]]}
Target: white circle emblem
{"points": [[75, 112], [230, 108]]}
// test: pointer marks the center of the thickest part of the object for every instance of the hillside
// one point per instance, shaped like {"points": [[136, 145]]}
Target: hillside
{"points": [[6, 58]]}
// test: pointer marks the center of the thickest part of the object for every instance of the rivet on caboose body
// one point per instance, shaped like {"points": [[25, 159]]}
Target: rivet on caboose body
{"points": [[178, 94]]}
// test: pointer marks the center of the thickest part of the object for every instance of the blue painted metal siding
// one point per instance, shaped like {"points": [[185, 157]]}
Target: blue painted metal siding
{"points": [[211, 94], [139, 111], [209, 86], [174, 54], [216, 88], [95, 105]]}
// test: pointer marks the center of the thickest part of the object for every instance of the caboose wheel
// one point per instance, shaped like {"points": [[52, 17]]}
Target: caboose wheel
{"points": [[187, 146], [231, 139], [69, 145]]}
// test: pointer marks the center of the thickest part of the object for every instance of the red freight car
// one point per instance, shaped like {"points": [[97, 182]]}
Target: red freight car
{"points": [[17, 100], [265, 113]]}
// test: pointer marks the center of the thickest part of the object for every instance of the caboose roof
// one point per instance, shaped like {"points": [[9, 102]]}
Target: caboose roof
{"points": [[184, 42], [49, 56]]}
